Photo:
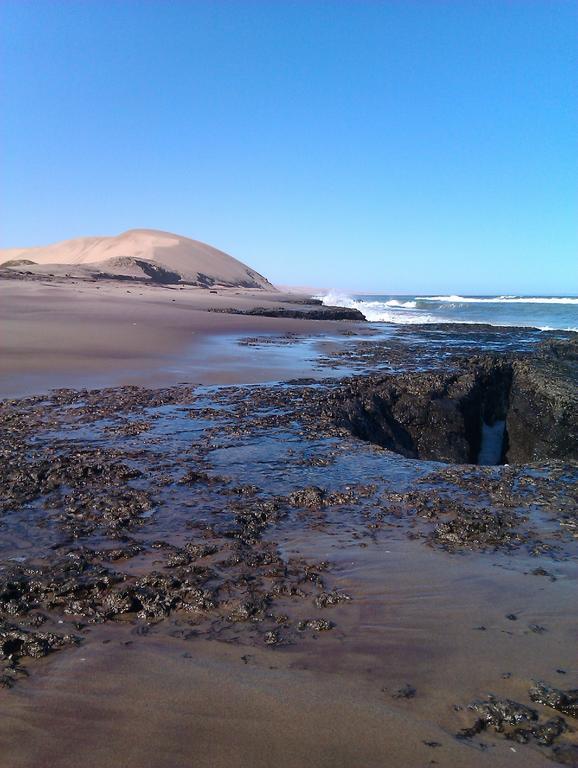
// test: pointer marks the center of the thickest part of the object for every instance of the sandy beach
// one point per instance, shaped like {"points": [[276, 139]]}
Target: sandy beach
{"points": [[59, 333], [273, 574], [288, 384]]}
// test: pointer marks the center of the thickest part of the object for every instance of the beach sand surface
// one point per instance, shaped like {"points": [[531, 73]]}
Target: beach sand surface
{"points": [[86, 334]]}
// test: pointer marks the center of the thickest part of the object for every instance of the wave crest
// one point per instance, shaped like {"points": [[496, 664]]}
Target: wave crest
{"points": [[380, 311], [421, 310], [501, 299]]}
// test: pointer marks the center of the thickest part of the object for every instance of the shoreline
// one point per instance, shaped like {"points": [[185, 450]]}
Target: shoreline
{"points": [[81, 334], [292, 572], [59, 334]]}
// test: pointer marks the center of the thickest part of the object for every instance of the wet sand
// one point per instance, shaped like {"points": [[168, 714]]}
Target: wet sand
{"points": [[147, 705], [246, 583], [88, 334], [416, 617]]}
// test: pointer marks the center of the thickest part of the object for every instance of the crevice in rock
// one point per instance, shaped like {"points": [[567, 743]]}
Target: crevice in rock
{"points": [[492, 411]]}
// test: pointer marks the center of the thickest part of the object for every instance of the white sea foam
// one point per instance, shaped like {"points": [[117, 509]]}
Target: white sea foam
{"points": [[501, 299], [422, 310], [390, 311]]}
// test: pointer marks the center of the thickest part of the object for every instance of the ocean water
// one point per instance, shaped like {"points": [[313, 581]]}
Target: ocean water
{"points": [[543, 312]]}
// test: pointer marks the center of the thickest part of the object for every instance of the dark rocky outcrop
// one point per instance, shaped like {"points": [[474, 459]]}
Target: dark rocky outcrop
{"points": [[428, 415], [543, 408], [563, 701], [16, 642], [515, 721], [16, 263], [316, 313], [528, 408], [157, 273]]}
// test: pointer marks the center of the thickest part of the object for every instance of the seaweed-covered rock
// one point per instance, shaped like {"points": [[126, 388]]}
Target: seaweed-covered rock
{"points": [[497, 714], [326, 599], [311, 498], [516, 722], [16, 642], [317, 625], [313, 313], [542, 419], [563, 701], [443, 416], [477, 529]]}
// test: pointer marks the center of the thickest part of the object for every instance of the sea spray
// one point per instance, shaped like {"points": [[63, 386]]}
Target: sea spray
{"points": [[544, 313]]}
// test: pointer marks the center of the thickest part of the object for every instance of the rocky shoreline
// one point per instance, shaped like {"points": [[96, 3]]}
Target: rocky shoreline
{"points": [[312, 312], [163, 512]]}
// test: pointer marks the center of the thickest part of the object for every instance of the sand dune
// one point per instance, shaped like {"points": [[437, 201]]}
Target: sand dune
{"points": [[138, 253]]}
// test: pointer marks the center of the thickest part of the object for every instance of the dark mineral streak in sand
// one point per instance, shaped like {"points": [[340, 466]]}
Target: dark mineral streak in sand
{"points": [[385, 527]]}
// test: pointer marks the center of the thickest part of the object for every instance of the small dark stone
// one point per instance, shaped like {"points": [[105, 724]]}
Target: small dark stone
{"points": [[271, 638], [406, 692], [317, 625]]}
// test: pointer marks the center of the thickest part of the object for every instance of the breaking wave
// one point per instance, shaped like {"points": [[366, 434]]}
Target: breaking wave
{"points": [[386, 311], [543, 313], [502, 299]]}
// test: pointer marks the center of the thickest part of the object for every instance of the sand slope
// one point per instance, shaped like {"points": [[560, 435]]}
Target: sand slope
{"points": [[141, 253]]}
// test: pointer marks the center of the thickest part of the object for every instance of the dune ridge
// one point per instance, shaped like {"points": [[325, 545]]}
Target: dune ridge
{"points": [[145, 254]]}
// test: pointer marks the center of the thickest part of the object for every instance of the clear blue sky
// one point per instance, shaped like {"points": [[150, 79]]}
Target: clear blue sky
{"points": [[389, 146]]}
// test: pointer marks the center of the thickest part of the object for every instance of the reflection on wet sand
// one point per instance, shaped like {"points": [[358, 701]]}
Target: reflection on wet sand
{"points": [[227, 575]]}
